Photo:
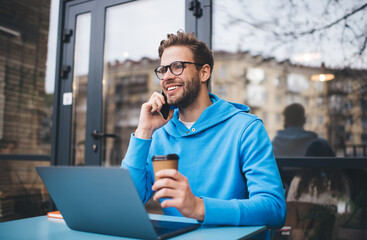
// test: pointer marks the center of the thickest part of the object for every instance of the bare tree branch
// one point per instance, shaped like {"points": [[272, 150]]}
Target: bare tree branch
{"points": [[363, 48], [290, 27], [312, 31]]}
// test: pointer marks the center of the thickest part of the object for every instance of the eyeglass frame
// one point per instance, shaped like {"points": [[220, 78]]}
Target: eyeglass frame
{"points": [[170, 68]]}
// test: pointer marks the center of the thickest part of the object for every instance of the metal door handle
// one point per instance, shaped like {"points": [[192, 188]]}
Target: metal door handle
{"points": [[95, 134]]}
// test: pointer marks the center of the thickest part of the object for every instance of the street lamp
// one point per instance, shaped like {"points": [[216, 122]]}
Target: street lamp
{"points": [[323, 76]]}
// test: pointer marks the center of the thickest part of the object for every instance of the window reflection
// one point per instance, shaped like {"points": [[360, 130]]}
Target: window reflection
{"points": [[130, 57], [304, 32], [25, 107], [291, 41], [80, 85], [278, 40]]}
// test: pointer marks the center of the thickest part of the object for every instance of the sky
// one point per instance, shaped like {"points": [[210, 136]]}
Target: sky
{"points": [[151, 23], [51, 48], [249, 26], [148, 21]]}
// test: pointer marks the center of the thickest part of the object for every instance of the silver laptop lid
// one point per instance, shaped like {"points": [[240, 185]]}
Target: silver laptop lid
{"points": [[97, 199]]}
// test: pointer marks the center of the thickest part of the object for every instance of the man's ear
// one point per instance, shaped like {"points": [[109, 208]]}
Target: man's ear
{"points": [[205, 73]]}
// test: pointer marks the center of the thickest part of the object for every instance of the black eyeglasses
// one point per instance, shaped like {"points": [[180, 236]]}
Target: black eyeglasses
{"points": [[176, 68]]}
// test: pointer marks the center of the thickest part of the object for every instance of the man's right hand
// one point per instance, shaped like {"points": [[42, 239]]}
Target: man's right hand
{"points": [[150, 119]]}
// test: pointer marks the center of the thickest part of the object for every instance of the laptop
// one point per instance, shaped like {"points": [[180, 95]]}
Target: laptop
{"points": [[104, 200]]}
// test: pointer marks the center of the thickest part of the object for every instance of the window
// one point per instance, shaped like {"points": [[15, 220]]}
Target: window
{"points": [[278, 40], [293, 42], [26, 105], [364, 138]]}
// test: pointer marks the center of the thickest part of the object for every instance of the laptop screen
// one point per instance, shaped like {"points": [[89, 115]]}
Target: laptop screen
{"points": [[104, 200]]}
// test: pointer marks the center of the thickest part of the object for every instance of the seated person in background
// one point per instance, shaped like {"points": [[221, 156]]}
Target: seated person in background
{"points": [[294, 141], [227, 174], [319, 148], [320, 185], [315, 194]]}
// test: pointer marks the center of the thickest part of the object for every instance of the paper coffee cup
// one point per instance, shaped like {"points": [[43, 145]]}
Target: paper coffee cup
{"points": [[160, 162]]}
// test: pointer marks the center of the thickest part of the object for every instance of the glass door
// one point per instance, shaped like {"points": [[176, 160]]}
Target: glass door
{"points": [[132, 35], [72, 85], [80, 83], [108, 51]]}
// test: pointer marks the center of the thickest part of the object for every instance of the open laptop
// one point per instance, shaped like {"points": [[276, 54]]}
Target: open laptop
{"points": [[104, 200]]}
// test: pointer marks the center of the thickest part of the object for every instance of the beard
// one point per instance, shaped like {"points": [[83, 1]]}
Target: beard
{"points": [[190, 93]]}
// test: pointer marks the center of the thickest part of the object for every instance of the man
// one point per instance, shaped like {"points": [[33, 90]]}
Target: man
{"points": [[294, 141], [227, 173]]}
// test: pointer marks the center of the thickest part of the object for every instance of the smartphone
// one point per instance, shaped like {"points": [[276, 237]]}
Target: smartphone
{"points": [[165, 108]]}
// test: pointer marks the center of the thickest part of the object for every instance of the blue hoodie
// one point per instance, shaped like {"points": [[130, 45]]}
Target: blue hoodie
{"points": [[228, 159]]}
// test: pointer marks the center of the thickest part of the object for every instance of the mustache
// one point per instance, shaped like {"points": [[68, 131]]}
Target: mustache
{"points": [[174, 82]]}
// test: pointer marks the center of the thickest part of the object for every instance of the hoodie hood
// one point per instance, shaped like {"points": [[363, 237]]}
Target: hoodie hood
{"points": [[216, 113]]}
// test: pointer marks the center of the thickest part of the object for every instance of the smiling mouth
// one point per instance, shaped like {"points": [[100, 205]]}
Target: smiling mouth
{"points": [[172, 88]]}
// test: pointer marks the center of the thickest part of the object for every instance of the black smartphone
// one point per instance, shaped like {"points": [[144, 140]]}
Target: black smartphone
{"points": [[165, 108]]}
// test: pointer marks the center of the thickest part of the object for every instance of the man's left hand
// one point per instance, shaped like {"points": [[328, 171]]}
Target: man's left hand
{"points": [[176, 186]]}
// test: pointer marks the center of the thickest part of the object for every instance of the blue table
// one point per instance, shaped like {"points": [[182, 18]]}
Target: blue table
{"points": [[44, 228]]}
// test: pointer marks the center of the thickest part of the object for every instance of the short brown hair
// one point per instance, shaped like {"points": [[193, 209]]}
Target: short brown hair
{"points": [[294, 115], [202, 54]]}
